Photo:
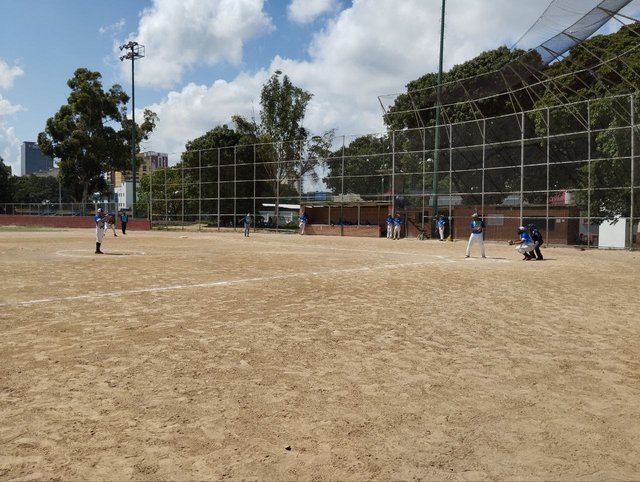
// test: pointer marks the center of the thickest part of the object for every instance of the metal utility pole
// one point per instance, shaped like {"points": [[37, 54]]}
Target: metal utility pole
{"points": [[436, 147], [134, 51]]}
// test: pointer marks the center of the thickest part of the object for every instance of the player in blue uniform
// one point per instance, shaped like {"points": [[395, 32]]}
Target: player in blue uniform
{"points": [[524, 243], [476, 226], [101, 228], [246, 221], [441, 223], [304, 219], [397, 225], [389, 226]]}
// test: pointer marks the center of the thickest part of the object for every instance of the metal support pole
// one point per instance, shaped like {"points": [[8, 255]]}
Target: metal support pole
{"points": [[424, 166], [134, 51], [342, 190], [182, 192], [393, 173], [199, 190], [436, 153], [254, 188], [450, 185], [548, 173], [218, 196], [484, 160], [521, 169], [633, 160], [235, 185], [150, 197], [589, 166], [133, 134]]}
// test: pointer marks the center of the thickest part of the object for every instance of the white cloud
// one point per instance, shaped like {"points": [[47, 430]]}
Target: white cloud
{"points": [[7, 107], [306, 11], [10, 148], [190, 33], [372, 48], [9, 143], [196, 109], [8, 74], [114, 28]]}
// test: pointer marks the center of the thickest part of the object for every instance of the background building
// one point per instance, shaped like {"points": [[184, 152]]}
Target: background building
{"points": [[33, 160], [151, 161]]}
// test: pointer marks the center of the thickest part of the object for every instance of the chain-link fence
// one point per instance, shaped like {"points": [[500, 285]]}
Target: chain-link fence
{"points": [[572, 170]]}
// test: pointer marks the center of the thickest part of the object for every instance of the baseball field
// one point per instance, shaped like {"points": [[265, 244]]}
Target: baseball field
{"points": [[208, 356]]}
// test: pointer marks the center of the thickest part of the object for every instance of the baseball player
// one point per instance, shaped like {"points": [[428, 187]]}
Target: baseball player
{"points": [[101, 228], [246, 221], [536, 236], [124, 219], [304, 219], [441, 222], [524, 243], [397, 224], [476, 226], [389, 226], [111, 223]]}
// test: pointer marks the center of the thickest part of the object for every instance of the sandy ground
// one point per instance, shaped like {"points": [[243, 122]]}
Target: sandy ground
{"points": [[210, 356]]}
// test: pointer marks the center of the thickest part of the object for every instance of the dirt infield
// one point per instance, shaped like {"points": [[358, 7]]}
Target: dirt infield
{"points": [[193, 356]]}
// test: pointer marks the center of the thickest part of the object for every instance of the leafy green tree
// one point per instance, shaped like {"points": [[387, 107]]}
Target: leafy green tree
{"points": [[280, 131], [162, 191], [365, 164], [5, 183], [35, 189], [227, 155], [413, 117], [600, 68], [91, 134]]}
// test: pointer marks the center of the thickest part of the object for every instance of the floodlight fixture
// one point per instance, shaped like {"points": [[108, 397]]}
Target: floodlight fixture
{"points": [[134, 51]]}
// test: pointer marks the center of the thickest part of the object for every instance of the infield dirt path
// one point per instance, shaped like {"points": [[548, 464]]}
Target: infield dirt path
{"points": [[210, 356]]}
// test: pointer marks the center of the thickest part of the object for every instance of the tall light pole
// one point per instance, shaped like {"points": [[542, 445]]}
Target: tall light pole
{"points": [[436, 153], [134, 51]]}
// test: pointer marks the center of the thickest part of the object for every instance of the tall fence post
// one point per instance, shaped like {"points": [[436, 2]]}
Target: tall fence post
{"points": [[218, 194], [548, 197], [521, 169], [633, 161], [199, 190], [589, 174]]}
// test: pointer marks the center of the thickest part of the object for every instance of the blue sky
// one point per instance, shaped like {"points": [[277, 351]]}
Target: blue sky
{"points": [[207, 59]]}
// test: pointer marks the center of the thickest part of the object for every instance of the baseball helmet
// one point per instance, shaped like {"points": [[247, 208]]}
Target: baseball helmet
{"points": [[100, 210], [522, 229]]}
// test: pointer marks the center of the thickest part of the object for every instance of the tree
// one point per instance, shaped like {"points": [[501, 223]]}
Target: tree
{"points": [[366, 165], [281, 135], [5, 183], [476, 92], [161, 190], [226, 155], [35, 189], [599, 69], [91, 134]]}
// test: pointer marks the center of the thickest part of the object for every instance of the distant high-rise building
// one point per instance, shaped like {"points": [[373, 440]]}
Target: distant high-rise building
{"points": [[152, 161], [33, 160]]}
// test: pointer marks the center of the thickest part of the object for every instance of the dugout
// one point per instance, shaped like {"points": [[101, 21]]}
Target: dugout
{"points": [[357, 218]]}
